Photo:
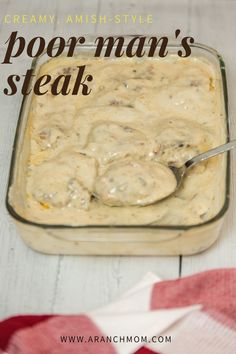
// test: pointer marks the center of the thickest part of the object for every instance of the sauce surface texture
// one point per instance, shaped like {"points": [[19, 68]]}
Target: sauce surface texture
{"points": [[140, 113]]}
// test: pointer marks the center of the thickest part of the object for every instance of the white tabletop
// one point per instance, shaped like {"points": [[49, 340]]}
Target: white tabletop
{"points": [[34, 283]]}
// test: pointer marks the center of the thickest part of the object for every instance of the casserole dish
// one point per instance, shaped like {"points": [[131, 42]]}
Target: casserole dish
{"points": [[133, 238]]}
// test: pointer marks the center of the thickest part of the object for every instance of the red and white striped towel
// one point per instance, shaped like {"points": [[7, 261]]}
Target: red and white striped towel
{"points": [[196, 314]]}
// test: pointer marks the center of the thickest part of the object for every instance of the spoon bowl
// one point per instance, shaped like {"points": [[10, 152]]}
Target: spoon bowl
{"points": [[179, 173]]}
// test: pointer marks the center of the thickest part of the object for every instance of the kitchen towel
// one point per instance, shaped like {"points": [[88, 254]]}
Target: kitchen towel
{"points": [[195, 314]]}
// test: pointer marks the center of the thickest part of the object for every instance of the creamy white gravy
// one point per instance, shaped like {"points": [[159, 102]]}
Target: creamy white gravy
{"points": [[140, 113]]}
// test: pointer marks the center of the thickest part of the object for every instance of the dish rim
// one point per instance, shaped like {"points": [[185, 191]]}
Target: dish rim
{"points": [[217, 217]]}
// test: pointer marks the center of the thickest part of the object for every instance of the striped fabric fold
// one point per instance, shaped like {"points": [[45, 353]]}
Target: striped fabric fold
{"points": [[195, 314]]}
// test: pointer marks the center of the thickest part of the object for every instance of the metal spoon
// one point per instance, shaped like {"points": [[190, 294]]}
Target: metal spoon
{"points": [[177, 174], [180, 172]]}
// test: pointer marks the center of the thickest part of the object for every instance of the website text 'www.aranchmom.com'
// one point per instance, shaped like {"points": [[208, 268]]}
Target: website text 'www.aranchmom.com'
{"points": [[115, 339]]}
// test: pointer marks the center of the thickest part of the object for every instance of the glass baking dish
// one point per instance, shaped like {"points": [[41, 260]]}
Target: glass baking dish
{"points": [[110, 239]]}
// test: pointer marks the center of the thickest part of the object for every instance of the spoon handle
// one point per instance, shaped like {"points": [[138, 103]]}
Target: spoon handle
{"points": [[210, 153]]}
